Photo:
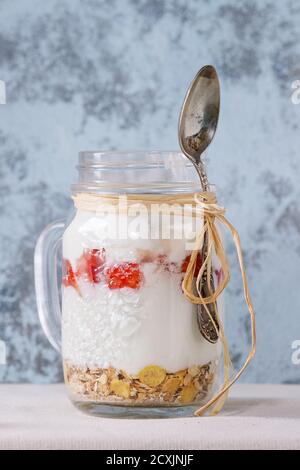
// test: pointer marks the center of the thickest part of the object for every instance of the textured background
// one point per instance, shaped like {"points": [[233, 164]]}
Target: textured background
{"points": [[112, 74]]}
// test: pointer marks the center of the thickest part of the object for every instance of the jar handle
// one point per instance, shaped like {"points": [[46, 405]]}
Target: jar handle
{"points": [[46, 284]]}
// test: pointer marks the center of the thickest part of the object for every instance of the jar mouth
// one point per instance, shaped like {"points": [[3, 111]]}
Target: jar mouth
{"points": [[135, 171], [130, 159]]}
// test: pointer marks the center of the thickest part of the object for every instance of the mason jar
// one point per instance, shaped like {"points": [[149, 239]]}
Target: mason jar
{"points": [[129, 337]]}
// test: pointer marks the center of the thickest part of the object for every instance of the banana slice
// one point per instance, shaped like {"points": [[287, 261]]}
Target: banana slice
{"points": [[152, 375]]}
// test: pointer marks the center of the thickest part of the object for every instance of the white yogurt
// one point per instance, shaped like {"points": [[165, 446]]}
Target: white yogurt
{"points": [[129, 328]]}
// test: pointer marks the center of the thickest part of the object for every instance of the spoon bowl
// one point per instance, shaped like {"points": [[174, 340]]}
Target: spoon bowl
{"points": [[199, 115]]}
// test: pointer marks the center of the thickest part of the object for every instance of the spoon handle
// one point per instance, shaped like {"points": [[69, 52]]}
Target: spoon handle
{"points": [[205, 324], [202, 175]]}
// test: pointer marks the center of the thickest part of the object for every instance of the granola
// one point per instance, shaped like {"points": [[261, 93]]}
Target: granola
{"points": [[153, 385]]}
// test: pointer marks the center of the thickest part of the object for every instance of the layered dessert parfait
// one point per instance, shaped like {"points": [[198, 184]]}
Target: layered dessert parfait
{"points": [[129, 334]]}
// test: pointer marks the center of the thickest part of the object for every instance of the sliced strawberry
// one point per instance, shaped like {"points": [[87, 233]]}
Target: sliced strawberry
{"points": [[169, 266], [124, 275], [186, 261], [68, 276], [162, 260], [90, 265]]}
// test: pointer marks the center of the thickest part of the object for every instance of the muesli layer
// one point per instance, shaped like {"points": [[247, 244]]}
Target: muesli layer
{"points": [[153, 385]]}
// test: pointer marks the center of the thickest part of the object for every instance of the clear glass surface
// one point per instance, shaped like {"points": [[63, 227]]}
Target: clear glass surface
{"points": [[130, 342]]}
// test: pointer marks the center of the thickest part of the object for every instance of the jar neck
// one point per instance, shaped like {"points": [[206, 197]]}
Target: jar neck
{"points": [[157, 172]]}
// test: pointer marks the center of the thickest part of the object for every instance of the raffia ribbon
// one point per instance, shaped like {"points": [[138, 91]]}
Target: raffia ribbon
{"points": [[212, 212], [205, 204]]}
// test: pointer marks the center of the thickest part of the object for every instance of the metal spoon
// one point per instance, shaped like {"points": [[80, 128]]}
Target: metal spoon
{"points": [[197, 126]]}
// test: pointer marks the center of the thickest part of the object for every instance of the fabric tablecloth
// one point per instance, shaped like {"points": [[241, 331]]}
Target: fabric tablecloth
{"points": [[255, 417]]}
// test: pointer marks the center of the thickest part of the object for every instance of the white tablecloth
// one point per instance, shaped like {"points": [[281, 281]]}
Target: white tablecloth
{"points": [[256, 417]]}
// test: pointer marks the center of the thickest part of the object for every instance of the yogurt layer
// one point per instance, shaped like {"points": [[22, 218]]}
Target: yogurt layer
{"points": [[130, 328]]}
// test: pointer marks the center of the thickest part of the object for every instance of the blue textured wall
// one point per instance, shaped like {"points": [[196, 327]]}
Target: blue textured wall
{"points": [[112, 74]]}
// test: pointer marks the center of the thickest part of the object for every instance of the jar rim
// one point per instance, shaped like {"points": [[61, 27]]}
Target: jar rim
{"points": [[135, 171], [130, 158]]}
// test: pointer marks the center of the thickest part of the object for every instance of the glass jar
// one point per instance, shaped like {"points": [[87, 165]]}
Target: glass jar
{"points": [[130, 343]]}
